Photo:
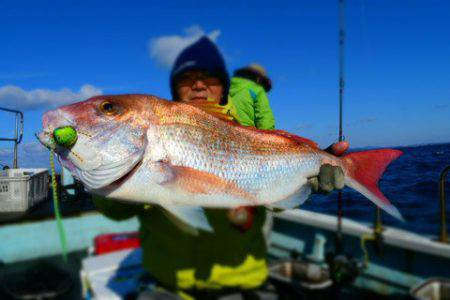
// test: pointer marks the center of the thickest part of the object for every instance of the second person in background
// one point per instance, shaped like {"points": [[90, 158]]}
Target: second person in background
{"points": [[248, 93]]}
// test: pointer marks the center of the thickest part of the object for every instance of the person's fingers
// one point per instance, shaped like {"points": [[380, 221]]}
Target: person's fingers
{"points": [[314, 184], [339, 148], [326, 181], [338, 178]]}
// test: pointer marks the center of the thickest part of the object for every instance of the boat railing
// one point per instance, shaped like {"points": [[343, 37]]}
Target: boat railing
{"points": [[443, 236], [18, 132]]}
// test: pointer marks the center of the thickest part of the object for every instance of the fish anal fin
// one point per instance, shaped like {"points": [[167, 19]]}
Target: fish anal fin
{"points": [[193, 216], [295, 200]]}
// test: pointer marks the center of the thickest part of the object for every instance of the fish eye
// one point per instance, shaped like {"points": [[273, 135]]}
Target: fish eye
{"points": [[108, 108]]}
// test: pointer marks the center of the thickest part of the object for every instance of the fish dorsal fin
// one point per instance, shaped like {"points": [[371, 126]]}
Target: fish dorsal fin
{"points": [[213, 108], [224, 113], [294, 137]]}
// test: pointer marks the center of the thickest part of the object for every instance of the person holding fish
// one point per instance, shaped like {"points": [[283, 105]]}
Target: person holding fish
{"points": [[192, 170], [202, 263]]}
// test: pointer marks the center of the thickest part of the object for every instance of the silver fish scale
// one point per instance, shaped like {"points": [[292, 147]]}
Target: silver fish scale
{"points": [[203, 151]]}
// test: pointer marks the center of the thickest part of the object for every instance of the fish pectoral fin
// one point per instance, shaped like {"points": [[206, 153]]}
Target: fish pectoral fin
{"points": [[106, 174], [294, 201], [201, 182], [193, 216]]}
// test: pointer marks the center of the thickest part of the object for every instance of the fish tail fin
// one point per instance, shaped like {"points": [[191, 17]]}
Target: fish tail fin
{"points": [[364, 169]]}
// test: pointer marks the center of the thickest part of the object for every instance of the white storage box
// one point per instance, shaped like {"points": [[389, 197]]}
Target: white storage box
{"points": [[111, 276], [21, 189]]}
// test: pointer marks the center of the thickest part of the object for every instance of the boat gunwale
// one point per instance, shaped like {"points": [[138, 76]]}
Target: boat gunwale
{"points": [[391, 236]]}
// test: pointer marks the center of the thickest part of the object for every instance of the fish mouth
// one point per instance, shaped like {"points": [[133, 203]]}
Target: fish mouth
{"points": [[117, 183], [46, 139]]}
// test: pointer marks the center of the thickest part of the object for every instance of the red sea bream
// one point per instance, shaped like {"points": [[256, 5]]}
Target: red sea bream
{"points": [[144, 149]]}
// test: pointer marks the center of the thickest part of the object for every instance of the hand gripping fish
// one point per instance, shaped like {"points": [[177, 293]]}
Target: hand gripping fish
{"points": [[144, 149]]}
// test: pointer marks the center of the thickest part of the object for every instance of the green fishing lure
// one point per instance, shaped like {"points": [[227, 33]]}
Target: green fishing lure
{"points": [[65, 136]]}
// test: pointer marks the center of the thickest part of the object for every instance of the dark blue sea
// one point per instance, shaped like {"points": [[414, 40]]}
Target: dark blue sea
{"points": [[411, 183]]}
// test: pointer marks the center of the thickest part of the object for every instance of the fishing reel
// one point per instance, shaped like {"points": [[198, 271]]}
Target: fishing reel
{"points": [[344, 268]]}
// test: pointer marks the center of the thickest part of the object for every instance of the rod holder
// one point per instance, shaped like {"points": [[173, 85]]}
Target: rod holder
{"points": [[443, 236], [18, 133]]}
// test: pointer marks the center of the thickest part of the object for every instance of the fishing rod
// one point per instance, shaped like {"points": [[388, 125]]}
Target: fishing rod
{"points": [[338, 244]]}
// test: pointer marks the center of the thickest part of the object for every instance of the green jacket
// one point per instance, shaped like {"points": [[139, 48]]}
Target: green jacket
{"points": [[181, 261], [251, 103]]}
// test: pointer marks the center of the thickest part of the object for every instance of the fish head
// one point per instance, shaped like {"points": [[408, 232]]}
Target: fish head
{"points": [[98, 140]]}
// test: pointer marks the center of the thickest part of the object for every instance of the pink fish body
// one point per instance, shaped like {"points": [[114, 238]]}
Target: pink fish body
{"points": [[144, 149]]}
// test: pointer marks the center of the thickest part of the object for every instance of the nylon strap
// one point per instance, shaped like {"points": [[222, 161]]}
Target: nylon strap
{"points": [[59, 224]]}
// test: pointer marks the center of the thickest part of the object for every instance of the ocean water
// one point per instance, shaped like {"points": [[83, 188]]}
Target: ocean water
{"points": [[411, 183]]}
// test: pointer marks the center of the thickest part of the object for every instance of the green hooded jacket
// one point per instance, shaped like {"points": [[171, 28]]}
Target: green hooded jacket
{"points": [[251, 103]]}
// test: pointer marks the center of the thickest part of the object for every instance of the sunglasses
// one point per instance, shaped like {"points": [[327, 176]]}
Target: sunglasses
{"points": [[188, 79]]}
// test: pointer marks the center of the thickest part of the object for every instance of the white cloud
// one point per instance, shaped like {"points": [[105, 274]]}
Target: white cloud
{"points": [[30, 155], [15, 97], [165, 49], [30, 147]]}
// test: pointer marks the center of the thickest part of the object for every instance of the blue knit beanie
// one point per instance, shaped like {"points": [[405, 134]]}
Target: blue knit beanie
{"points": [[203, 55]]}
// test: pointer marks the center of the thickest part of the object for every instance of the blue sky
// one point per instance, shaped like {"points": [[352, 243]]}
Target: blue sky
{"points": [[397, 60]]}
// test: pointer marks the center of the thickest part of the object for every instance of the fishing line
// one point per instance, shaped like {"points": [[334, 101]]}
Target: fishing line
{"points": [[59, 224]]}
